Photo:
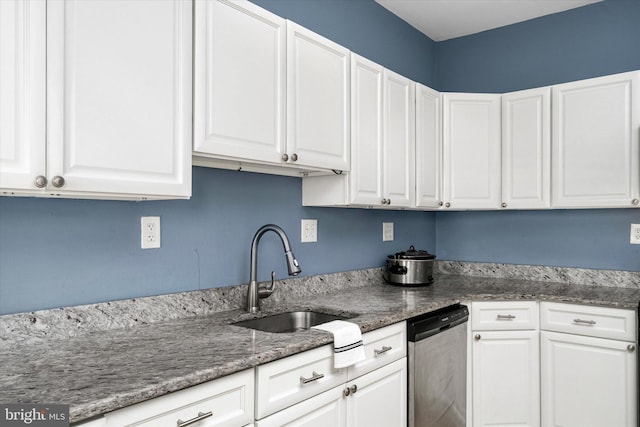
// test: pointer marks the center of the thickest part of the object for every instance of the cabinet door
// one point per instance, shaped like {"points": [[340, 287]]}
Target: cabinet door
{"points": [[239, 86], [379, 398], [506, 378], [317, 100], [471, 150], [428, 148], [119, 96], [365, 178], [328, 409], [399, 140], [22, 93], [588, 382], [596, 131], [526, 149]]}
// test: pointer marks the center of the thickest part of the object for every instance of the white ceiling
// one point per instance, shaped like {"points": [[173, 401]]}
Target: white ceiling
{"points": [[447, 19]]}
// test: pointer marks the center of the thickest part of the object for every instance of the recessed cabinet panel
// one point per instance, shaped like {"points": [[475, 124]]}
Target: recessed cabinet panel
{"points": [[526, 146], [365, 178], [428, 148], [317, 100], [587, 382], [22, 93], [399, 140], [471, 141], [240, 81], [596, 148], [119, 121], [506, 373]]}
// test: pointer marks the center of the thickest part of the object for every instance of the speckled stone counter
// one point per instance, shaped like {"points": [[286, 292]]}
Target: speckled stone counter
{"points": [[99, 370]]}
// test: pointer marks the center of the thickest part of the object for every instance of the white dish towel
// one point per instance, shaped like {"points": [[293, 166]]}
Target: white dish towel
{"points": [[347, 342]]}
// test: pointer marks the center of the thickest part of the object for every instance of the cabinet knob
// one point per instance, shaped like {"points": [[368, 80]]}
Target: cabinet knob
{"points": [[346, 392], [354, 388], [477, 337], [58, 181], [504, 205], [388, 201], [447, 205], [635, 202], [285, 157], [631, 347], [440, 203], [384, 201], [294, 157], [40, 181]]}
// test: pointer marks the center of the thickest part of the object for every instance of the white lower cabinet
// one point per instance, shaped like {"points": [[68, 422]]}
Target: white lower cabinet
{"points": [[506, 386], [378, 398], [227, 401], [588, 380], [505, 364], [305, 389]]}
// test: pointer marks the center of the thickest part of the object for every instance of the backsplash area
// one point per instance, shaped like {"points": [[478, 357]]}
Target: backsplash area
{"points": [[126, 313], [541, 273]]}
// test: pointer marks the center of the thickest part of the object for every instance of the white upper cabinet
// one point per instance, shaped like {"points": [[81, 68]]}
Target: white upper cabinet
{"points": [[596, 131], [526, 149], [365, 178], [382, 144], [22, 93], [317, 100], [119, 97], [82, 112], [428, 148], [471, 150], [240, 81], [399, 140]]}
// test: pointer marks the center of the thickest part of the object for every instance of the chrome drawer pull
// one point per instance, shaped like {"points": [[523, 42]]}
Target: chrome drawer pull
{"points": [[314, 376], [383, 350], [506, 317], [201, 416], [584, 322]]}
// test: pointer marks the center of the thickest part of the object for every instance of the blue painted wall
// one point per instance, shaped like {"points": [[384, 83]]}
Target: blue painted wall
{"points": [[590, 41], [595, 40], [66, 252]]}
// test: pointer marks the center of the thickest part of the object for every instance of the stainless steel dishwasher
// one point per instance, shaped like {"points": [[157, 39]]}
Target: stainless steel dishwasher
{"points": [[437, 358]]}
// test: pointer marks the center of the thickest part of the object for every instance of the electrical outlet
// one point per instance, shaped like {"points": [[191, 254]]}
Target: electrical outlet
{"points": [[387, 231], [150, 232], [309, 231], [635, 234]]}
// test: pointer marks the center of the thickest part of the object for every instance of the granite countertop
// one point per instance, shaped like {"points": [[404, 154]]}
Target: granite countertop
{"points": [[104, 370]]}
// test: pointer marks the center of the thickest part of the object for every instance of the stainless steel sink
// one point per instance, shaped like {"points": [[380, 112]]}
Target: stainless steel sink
{"points": [[291, 321]]}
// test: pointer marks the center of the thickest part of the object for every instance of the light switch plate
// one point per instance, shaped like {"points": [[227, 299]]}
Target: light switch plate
{"points": [[309, 230], [387, 231], [635, 234]]}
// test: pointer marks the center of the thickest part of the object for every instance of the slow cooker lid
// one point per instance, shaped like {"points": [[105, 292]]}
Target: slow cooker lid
{"points": [[413, 253]]}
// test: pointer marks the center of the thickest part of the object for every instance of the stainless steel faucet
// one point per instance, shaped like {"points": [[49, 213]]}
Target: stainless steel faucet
{"points": [[254, 293]]}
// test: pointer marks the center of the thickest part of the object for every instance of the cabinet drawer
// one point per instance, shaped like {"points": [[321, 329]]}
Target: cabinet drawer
{"points": [[381, 347], [504, 315], [228, 399], [287, 381], [603, 322]]}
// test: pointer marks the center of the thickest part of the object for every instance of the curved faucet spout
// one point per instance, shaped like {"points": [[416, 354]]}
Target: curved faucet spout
{"points": [[253, 296]]}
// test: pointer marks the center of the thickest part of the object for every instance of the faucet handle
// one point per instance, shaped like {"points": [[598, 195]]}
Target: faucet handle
{"points": [[266, 292]]}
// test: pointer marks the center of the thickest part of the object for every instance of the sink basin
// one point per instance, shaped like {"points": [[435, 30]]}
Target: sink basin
{"points": [[290, 322]]}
